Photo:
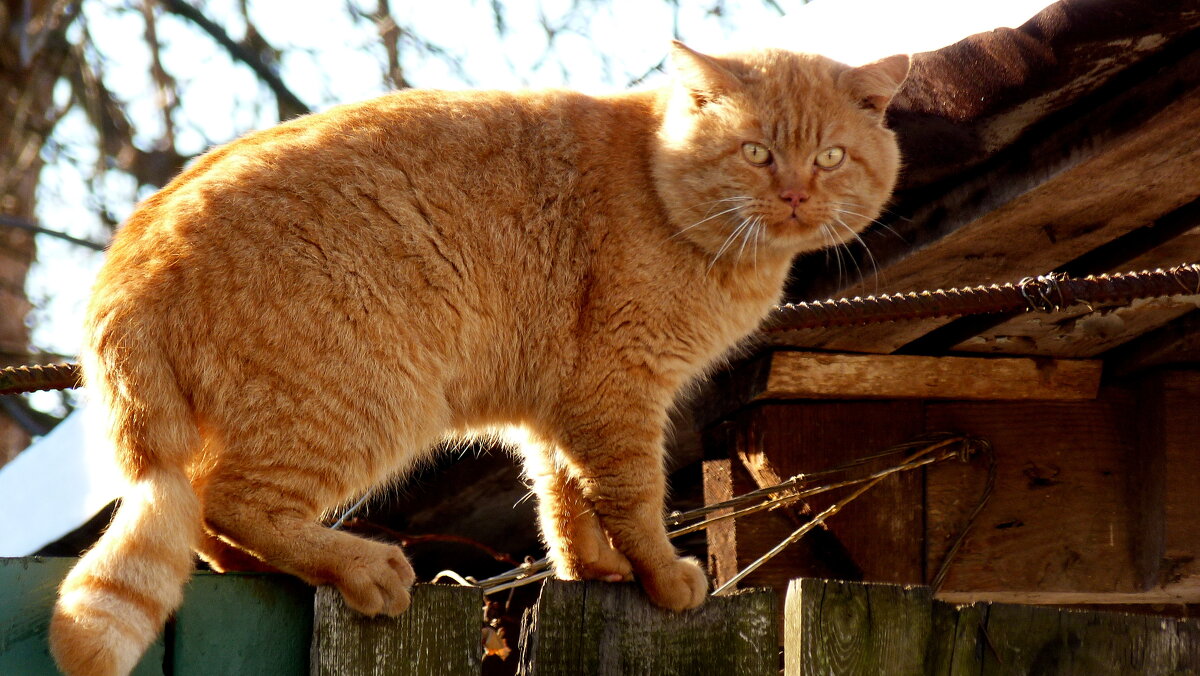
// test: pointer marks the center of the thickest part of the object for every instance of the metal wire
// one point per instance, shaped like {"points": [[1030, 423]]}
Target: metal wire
{"points": [[923, 451]]}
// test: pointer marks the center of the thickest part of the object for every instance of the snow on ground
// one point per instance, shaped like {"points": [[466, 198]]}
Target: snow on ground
{"points": [[55, 485]]}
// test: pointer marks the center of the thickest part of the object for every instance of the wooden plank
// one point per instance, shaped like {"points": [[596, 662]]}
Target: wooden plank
{"points": [[810, 375], [1030, 640], [28, 587], [1180, 570], [721, 537], [441, 633], [609, 629], [1085, 331], [243, 623], [1079, 331], [1058, 527], [878, 536], [852, 628], [1176, 343], [1061, 194]]}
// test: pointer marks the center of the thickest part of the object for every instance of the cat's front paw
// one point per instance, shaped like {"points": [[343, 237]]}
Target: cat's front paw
{"points": [[609, 565], [678, 586], [377, 583]]}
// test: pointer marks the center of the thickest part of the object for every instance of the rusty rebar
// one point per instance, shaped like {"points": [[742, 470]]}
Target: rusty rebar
{"points": [[18, 379], [1047, 293]]}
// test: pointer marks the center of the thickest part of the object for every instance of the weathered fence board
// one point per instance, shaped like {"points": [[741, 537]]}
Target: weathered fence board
{"points": [[1033, 640], [609, 629], [441, 633], [857, 629], [242, 624], [28, 587], [853, 628], [228, 624]]}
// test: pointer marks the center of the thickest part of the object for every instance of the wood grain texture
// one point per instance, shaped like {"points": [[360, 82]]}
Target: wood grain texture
{"points": [[720, 537], [1032, 640], [804, 375], [1064, 191], [1180, 571], [879, 533], [1058, 527], [852, 628], [1079, 331], [603, 629], [441, 633]]}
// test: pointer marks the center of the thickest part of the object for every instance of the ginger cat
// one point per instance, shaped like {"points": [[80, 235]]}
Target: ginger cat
{"points": [[304, 312]]}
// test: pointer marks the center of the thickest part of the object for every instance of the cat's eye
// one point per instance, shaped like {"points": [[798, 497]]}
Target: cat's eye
{"points": [[831, 158], [756, 153]]}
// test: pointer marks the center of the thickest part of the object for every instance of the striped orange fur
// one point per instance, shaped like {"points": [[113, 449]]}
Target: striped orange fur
{"points": [[304, 312]]}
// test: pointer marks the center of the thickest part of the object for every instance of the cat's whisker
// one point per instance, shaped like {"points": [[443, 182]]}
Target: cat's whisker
{"points": [[836, 247], [730, 239], [843, 244], [716, 203], [705, 220], [749, 231], [872, 222], [757, 240], [867, 250], [728, 242], [847, 208]]}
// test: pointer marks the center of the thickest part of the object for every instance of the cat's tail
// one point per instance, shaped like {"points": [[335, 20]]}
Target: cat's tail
{"points": [[115, 602]]}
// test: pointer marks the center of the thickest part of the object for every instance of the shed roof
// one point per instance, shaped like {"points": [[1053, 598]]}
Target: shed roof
{"points": [[1069, 144]]}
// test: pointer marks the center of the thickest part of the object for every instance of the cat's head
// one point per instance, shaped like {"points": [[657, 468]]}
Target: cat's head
{"points": [[775, 152]]}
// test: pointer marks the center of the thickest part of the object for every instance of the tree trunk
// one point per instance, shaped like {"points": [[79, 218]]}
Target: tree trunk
{"points": [[33, 50]]}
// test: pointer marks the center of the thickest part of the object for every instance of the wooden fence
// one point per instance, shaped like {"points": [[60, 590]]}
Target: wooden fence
{"points": [[264, 624]]}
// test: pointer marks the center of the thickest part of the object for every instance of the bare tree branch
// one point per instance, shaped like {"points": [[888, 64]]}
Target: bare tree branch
{"points": [[22, 224], [163, 83], [390, 33], [288, 101]]}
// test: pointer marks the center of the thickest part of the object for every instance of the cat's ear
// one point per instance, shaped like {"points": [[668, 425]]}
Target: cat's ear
{"points": [[702, 76], [874, 84]]}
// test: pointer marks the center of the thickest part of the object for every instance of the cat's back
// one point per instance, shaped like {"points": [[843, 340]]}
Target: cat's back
{"points": [[461, 152], [410, 204]]}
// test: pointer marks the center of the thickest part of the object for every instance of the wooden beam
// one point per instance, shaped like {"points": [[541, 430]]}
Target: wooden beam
{"points": [[1124, 160], [811, 375], [1085, 331], [1179, 429], [1175, 343]]}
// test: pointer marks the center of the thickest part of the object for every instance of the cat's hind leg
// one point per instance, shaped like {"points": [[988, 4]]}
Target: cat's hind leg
{"points": [[575, 540], [271, 511], [225, 558]]}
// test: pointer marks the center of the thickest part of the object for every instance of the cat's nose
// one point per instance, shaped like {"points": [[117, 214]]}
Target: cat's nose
{"points": [[793, 197]]}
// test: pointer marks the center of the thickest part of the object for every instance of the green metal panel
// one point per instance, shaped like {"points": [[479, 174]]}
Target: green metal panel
{"points": [[243, 624], [228, 625], [27, 590]]}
